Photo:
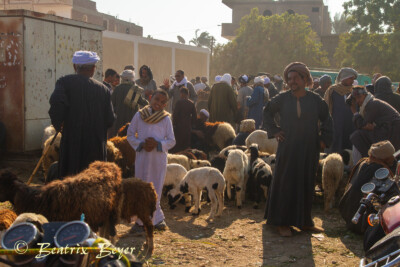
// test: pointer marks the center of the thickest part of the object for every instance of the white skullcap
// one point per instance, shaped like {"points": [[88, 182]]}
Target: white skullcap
{"points": [[218, 78], [355, 83], [128, 74], [85, 58], [267, 80], [205, 112], [258, 80], [227, 78]]}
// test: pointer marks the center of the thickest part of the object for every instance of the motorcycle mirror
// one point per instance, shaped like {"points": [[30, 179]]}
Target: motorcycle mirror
{"points": [[368, 188], [382, 173]]}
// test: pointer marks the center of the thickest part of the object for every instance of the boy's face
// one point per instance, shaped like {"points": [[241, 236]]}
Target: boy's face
{"points": [[158, 102]]}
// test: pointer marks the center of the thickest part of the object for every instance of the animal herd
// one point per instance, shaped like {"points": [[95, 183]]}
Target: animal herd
{"points": [[107, 196]]}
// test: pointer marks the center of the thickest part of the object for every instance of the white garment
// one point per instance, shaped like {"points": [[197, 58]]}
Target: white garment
{"points": [[183, 82], [199, 86], [152, 166], [368, 98]]}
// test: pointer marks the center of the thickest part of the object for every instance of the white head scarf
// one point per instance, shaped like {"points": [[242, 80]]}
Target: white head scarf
{"points": [[267, 80], [85, 58], [258, 80], [128, 75], [205, 112], [227, 78], [218, 78]]}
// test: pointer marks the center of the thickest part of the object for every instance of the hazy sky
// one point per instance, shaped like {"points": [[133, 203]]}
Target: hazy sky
{"points": [[165, 19]]}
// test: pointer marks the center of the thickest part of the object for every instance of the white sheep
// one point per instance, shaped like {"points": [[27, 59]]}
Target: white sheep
{"points": [[224, 135], [332, 172], [173, 177], [260, 137], [224, 152], [179, 159], [236, 173], [198, 163], [206, 177]]}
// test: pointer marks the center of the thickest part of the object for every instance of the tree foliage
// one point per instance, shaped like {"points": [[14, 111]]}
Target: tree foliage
{"points": [[370, 53], [269, 44], [374, 16], [340, 24], [202, 40]]}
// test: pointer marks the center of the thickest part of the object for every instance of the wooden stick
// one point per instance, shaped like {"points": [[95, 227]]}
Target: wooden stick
{"points": [[41, 159]]}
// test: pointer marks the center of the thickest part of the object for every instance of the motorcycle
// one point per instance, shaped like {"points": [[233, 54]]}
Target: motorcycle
{"points": [[383, 198], [64, 244]]}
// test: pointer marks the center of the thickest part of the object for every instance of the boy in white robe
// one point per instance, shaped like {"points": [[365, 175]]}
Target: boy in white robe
{"points": [[155, 136]]}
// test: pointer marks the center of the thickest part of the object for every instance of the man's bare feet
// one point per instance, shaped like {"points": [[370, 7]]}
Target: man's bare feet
{"points": [[314, 228], [285, 231]]}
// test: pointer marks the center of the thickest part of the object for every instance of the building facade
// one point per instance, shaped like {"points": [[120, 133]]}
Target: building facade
{"points": [[315, 9], [81, 10]]}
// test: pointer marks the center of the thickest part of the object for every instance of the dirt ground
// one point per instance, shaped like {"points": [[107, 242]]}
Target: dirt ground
{"points": [[238, 238]]}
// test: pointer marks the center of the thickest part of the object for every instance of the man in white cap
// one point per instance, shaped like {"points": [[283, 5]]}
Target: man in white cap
{"points": [[81, 108], [126, 99]]}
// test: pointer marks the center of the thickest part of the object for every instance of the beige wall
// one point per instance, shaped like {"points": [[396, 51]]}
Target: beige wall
{"points": [[117, 54], [192, 63], [158, 58]]}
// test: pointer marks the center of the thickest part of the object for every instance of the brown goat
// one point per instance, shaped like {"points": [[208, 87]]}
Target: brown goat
{"points": [[7, 217], [193, 154], [128, 155], [123, 131], [139, 198], [96, 192]]}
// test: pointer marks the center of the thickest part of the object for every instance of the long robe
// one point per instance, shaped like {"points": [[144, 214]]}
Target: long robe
{"points": [[387, 126], [222, 103], [152, 166], [183, 118], [292, 188], [123, 112], [342, 124], [175, 94], [256, 105], [82, 107]]}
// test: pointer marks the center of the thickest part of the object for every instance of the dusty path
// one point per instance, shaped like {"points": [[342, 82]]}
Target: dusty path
{"points": [[238, 238]]}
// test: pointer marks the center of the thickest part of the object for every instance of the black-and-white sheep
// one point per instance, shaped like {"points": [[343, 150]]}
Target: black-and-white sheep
{"points": [[173, 177]]}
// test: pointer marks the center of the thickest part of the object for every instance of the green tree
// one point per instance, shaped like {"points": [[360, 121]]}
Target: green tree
{"points": [[339, 23], [374, 16], [269, 44], [370, 53], [202, 40]]}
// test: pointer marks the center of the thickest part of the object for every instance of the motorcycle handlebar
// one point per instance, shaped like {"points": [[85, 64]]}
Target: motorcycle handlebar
{"points": [[358, 214]]}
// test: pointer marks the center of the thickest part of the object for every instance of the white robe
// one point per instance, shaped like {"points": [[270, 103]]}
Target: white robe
{"points": [[152, 166]]}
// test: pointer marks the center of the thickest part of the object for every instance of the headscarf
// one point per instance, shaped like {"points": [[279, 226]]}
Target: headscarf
{"points": [[149, 73], [218, 78], [383, 86], [227, 78], [205, 112], [267, 80], [244, 79], [346, 73], [85, 58], [381, 150], [258, 80], [128, 75], [184, 81], [324, 79], [301, 69]]}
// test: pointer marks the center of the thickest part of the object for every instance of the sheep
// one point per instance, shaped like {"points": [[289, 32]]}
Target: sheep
{"points": [[236, 173], [198, 179], [193, 154], [139, 199], [224, 152], [223, 135], [113, 153], [123, 131], [199, 163], [264, 144], [218, 162], [332, 172], [95, 192], [179, 159], [260, 176], [347, 156], [47, 132], [7, 217], [127, 163], [37, 219], [173, 177], [52, 154], [270, 160]]}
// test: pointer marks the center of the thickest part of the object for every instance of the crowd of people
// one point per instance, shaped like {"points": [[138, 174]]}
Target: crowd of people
{"points": [[305, 115]]}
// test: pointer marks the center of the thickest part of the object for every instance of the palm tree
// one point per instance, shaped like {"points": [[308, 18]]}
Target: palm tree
{"points": [[202, 40], [340, 24]]}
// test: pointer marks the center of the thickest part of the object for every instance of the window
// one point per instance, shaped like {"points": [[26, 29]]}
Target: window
{"points": [[267, 13], [127, 30], [290, 11], [85, 18], [315, 9]]}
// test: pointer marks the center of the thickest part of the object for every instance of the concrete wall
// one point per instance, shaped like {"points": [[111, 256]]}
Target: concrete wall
{"points": [[164, 58]]}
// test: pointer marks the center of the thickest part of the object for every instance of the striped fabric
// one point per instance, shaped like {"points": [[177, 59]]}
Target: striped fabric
{"points": [[152, 118]]}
